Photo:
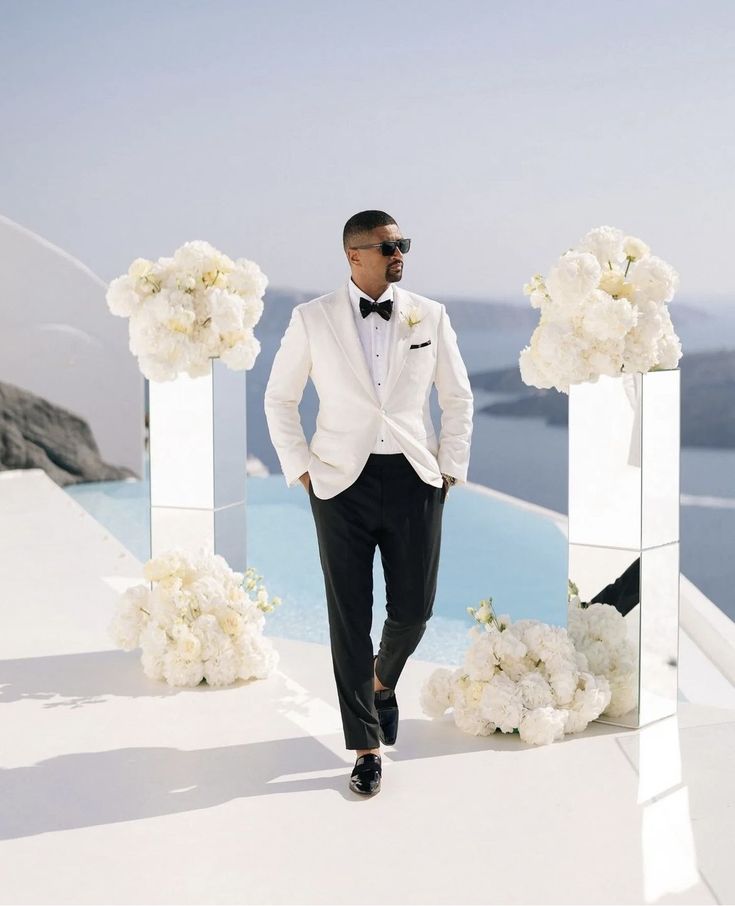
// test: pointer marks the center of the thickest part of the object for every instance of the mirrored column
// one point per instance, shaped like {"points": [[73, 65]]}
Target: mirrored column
{"points": [[198, 464], [624, 436]]}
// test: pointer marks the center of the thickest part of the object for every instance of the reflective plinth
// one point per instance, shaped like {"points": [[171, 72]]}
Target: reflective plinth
{"points": [[198, 464], [624, 443]]}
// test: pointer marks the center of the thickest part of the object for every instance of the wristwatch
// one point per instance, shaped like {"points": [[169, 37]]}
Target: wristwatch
{"points": [[450, 479]]}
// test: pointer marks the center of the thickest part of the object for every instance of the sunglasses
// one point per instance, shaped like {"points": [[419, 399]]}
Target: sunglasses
{"points": [[388, 248]]}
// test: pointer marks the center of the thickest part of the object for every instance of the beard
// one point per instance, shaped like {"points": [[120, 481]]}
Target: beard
{"points": [[393, 274]]}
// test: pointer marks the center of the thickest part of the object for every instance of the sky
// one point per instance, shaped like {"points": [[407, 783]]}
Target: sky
{"points": [[495, 133]]}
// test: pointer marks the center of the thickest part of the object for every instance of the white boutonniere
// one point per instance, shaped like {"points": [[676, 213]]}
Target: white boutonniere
{"points": [[412, 316]]}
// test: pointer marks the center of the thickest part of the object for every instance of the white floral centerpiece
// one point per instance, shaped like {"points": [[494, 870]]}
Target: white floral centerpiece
{"points": [[603, 311], [600, 633], [201, 620], [184, 310], [524, 676]]}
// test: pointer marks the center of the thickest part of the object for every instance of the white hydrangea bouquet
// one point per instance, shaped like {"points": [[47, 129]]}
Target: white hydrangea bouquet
{"points": [[603, 311], [524, 676], [183, 310], [201, 620], [600, 633]]}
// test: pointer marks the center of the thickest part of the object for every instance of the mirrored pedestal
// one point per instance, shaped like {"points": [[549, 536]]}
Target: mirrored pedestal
{"points": [[624, 437], [198, 464]]}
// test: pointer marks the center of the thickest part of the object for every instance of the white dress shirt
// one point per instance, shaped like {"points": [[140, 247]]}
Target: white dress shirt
{"points": [[376, 338]]}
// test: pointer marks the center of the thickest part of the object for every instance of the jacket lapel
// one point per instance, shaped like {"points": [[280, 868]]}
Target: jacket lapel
{"points": [[338, 312]]}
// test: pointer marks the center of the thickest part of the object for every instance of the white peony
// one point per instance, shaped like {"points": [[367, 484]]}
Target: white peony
{"points": [[606, 243], [122, 298], [541, 726], [525, 676], [502, 703], [435, 696], [654, 279], [602, 312], [481, 657], [573, 278], [599, 632], [467, 695], [198, 621], [130, 618], [606, 318], [191, 307], [535, 690], [179, 671]]}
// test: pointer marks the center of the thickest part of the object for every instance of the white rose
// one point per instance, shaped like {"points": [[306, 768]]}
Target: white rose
{"points": [[634, 248], [615, 285]]}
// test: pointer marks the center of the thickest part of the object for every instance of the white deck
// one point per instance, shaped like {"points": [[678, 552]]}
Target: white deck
{"points": [[117, 789]]}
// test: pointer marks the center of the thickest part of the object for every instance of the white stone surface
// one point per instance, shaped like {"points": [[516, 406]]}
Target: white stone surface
{"points": [[118, 789]]}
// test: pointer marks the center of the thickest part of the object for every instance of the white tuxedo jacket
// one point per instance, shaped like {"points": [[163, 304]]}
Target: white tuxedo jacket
{"points": [[321, 342]]}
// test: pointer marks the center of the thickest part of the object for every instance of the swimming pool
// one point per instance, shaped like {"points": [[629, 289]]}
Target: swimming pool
{"points": [[490, 548]]}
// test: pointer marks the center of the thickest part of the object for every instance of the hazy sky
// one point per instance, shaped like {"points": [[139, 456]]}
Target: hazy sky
{"points": [[496, 133]]}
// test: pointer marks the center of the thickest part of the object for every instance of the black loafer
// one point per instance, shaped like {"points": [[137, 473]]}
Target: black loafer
{"points": [[366, 774], [387, 707]]}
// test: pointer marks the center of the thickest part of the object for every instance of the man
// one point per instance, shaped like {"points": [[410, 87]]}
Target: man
{"points": [[374, 471]]}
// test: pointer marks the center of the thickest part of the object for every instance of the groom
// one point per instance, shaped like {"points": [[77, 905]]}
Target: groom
{"points": [[374, 470]]}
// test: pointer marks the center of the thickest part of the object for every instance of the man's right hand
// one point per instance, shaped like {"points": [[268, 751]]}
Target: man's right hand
{"points": [[305, 480]]}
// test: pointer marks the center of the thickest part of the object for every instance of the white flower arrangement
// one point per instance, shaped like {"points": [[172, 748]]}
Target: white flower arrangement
{"points": [[200, 621], [600, 633], [524, 676], [603, 311], [183, 310]]}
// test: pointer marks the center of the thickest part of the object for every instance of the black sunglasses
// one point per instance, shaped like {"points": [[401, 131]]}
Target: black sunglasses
{"points": [[388, 247]]}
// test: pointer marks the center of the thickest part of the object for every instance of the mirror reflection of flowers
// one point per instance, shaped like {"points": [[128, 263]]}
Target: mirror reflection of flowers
{"points": [[201, 620], [600, 633], [603, 310], [184, 310], [524, 676]]}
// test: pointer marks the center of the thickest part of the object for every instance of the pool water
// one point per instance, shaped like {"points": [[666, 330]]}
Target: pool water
{"points": [[490, 548]]}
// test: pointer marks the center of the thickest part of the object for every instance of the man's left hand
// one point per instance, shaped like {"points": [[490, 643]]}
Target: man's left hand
{"points": [[448, 482]]}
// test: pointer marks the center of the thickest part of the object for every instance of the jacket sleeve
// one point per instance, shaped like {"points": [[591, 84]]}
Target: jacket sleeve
{"points": [[456, 402], [283, 392]]}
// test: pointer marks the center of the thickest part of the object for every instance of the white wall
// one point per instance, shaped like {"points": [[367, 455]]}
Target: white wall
{"points": [[59, 340]]}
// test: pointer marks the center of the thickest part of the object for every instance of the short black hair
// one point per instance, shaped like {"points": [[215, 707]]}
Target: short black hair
{"points": [[363, 223]]}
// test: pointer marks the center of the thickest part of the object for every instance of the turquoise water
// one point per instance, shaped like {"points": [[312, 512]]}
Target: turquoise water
{"points": [[490, 548]]}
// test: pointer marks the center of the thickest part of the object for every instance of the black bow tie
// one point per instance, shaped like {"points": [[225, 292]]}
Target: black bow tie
{"points": [[383, 308]]}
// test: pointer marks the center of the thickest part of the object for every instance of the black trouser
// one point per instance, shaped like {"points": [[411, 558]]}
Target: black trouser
{"points": [[388, 505]]}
